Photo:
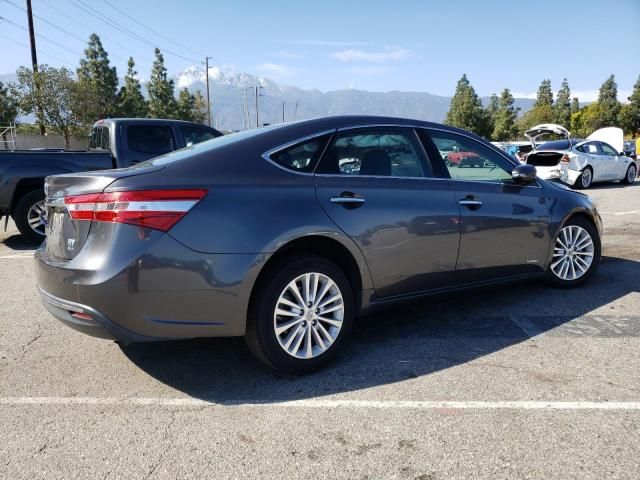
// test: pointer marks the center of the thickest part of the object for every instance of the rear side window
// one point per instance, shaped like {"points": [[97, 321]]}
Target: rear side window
{"points": [[99, 138], [153, 139], [193, 135], [588, 148], [301, 157]]}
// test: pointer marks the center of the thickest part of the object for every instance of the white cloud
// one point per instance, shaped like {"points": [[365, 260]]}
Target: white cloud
{"points": [[285, 54], [583, 95], [327, 43], [276, 70], [388, 54], [369, 70]]}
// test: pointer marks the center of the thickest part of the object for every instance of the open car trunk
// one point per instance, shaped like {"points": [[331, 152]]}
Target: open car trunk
{"points": [[538, 132], [544, 159]]}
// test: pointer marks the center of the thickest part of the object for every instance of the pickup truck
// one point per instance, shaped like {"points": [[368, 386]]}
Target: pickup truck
{"points": [[114, 143]]}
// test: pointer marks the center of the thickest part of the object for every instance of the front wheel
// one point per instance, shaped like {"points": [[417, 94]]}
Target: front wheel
{"points": [[30, 216], [576, 254], [300, 319], [631, 175]]}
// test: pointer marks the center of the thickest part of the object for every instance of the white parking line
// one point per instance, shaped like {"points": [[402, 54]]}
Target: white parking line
{"points": [[328, 403], [27, 254]]}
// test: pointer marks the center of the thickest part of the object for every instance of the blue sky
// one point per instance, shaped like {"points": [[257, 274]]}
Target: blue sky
{"points": [[371, 45]]}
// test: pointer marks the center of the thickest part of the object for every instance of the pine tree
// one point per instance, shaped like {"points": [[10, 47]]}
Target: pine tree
{"points": [[185, 105], [162, 103], [545, 94], [199, 108], [575, 105], [630, 113], [505, 118], [562, 107], [466, 109], [96, 74], [608, 102], [490, 115], [131, 103]]}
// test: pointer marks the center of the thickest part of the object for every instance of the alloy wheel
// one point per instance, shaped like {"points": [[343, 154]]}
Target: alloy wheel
{"points": [[586, 178], [573, 253], [308, 315], [37, 217], [631, 174]]}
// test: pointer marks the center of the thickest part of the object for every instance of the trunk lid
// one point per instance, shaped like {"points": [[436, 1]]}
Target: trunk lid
{"points": [[539, 131], [614, 136], [65, 236]]}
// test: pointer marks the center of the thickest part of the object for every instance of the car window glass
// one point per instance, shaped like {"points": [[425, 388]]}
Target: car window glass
{"points": [[607, 149], [154, 139], [301, 157], [193, 135], [590, 148], [391, 152], [468, 159]]}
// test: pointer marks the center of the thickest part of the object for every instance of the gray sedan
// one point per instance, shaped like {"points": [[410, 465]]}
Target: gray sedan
{"points": [[286, 234]]}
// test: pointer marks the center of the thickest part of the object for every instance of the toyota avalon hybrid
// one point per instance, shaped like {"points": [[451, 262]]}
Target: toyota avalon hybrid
{"points": [[286, 234]]}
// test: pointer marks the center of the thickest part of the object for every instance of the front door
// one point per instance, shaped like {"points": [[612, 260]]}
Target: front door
{"points": [[378, 187], [505, 226]]}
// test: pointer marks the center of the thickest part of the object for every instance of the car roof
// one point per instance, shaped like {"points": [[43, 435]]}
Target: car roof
{"points": [[148, 121]]}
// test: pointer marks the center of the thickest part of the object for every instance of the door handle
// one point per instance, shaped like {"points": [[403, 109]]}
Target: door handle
{"points": [[470, 203], [348, 199]]}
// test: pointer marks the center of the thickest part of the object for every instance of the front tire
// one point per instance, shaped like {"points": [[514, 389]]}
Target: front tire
{"points": [[585, 179], [301, 317], [630, 175], [576, 254], [29, 216]]}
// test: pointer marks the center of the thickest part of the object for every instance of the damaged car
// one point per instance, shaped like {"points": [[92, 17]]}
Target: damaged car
{"points": [[580, 162]]}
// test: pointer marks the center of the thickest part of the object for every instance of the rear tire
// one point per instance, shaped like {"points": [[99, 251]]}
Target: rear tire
{"points": [[630, 175], [580, 256], [585, 179], [28, 216], [273, 342]]}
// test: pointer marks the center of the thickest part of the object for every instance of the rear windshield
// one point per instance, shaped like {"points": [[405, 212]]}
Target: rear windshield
{"points": [[558, 144]]}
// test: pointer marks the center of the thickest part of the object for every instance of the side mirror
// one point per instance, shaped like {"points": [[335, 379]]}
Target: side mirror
{"points": [[524, 174]]}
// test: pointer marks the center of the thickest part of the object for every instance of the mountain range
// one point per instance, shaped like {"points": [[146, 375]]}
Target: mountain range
{"points": [[231, 111]]}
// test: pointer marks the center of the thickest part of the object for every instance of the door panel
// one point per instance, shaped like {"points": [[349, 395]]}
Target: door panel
{"points": [[407, 229]]}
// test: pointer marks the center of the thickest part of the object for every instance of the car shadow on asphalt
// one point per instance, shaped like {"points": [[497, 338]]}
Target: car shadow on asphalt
{"points": [[405, 342], [18, 243]]}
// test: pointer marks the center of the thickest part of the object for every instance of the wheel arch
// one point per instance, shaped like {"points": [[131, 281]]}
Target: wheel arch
{"points": [[577, 212]]}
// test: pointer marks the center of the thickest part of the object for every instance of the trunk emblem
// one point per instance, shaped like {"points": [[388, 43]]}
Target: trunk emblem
{"points": [[71, 244]]}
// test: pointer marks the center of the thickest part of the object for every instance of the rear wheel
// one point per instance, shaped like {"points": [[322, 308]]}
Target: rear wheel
{"points": [[631, 175], [585, 179], [576, 254], [30, 216], [300, 319]]}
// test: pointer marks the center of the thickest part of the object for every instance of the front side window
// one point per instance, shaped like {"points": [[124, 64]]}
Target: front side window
{"points": [[468, 159], [380, 152], [153, 139], [193, 135], [608, 149]]}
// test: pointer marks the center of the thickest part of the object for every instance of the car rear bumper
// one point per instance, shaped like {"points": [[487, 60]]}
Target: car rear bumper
{"points": [[139, 289]]}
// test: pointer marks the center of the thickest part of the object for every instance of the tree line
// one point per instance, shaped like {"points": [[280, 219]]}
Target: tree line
{"points": [[69, 105], [500, 121]]}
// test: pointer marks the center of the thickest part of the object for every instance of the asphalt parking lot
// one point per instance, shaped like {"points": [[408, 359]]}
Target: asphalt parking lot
{"points": [[517, 382]]}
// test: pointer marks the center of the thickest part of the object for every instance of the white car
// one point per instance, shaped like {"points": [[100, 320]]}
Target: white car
{"points": [[579, 163]]}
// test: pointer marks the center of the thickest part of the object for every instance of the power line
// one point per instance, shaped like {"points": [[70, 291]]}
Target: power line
{"points": [[103, 18], [46, 39], [151, 30], [39, 50]]}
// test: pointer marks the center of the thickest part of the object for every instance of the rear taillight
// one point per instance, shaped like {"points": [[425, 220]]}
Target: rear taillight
{"points": [[565, 158], [157, 209]]}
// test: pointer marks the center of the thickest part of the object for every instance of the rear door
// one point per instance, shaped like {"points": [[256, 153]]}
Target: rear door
{"points": [[378, 187], [594, 158], [504, 226]]}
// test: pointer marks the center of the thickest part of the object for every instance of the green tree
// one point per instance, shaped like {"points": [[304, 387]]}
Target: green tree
{"points": [[630, 112], [131, 103], [162, 103], [505, 118], [185, 105], [57, 95], [608, 102], [490, 116], [587, 120], [575, 105], [8, 109], [466, 110], [199, 108], [535, 116], [545, 94], [562, 107], [99, 79]]}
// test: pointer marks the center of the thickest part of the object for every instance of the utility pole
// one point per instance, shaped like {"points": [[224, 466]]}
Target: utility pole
{"points": [[257, 116], [283, 111], [206, 70], [34, 59]]}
